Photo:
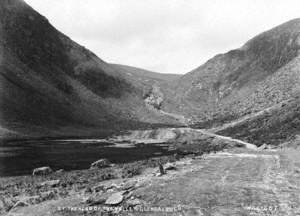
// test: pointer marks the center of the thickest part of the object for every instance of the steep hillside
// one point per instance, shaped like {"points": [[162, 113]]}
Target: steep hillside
{"points": [[263, 72], [274, 126], [52, 86]]}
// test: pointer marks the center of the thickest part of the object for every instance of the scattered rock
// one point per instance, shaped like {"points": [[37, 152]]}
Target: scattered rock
{"points": [[2, 205], [170, 166], [115, 198], [59, 171], [129, 185], [88, 190], [63, 184], [157, 174], [98, 188], [262, 147], [42, 171], [102, 163], [29, 199], [51, 183], [133, 202], [48, 195], [95, 200], [20, 204], [6, 203], [105, 188], [32, 200], [112, 186]]}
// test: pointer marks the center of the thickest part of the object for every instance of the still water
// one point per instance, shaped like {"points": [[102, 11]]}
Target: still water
{"points": [[21, 157]]}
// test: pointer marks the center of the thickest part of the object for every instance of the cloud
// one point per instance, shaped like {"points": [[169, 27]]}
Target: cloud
{"points": [[173, 36]]}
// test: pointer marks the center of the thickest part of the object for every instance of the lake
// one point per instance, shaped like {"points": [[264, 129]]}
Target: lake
{"points": [[21, 157]]}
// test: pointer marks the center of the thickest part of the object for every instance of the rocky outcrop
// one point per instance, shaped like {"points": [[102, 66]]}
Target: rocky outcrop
{"points": [[42, 171], [115, 198], [154, 97], [102, 163], [20, 204], [50, 183]]}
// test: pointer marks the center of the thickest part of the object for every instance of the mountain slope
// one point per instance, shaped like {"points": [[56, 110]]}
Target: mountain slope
{"points": [[274, 126], [262, 73], [52, 86]]}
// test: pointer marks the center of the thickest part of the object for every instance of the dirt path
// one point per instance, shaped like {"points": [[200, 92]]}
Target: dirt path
{"points": [[231, 184], [246, 144], [246, 118]]}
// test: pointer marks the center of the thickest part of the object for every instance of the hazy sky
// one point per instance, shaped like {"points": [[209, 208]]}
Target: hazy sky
{"points": [[169, 36]]}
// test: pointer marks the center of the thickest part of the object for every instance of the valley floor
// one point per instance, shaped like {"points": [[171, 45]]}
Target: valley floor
{"points": [[234, 182]]}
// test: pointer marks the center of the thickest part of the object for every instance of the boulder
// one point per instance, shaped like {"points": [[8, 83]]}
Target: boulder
{"points": [[98, 188], [133, 202], [170, 166], [94, 200], [20, 204], [42, 171], [51, 183], [157, 174], [262, 147], [88, 190], [59, 171], [112, 187], [115, 198], [48, 195], [102, 163], [129, 185], [105, 188]]}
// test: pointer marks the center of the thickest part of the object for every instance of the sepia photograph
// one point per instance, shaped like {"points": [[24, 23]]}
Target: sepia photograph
{"points": [[149, 107]]}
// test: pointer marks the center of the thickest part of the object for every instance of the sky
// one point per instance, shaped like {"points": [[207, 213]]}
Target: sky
{"points": [[167, 36]]}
